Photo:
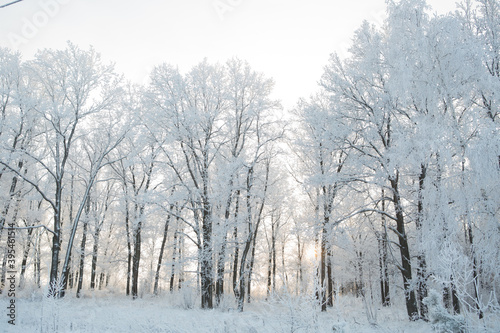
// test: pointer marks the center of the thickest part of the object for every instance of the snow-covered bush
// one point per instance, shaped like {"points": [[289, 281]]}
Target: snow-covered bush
{"points": [[442, 320]]}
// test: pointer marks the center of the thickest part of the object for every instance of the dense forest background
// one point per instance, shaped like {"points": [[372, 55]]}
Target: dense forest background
{"points": [[383, 185]]}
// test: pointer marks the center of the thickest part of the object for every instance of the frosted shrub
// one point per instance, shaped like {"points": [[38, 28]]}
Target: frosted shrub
{"points": [[187, 297], [51, 307], [442, 320], [54, 288], [300, 314]]}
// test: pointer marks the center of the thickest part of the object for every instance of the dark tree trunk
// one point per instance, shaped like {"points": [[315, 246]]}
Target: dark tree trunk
{"points": [[422, 263], [252, 234], [56, 242], [82, 258], [252, 262], [454, 298], [206, 273], [300, 254], [37, 268], [383, 254], [475, 274], [329, 272], [322, 286], [82, 250], [162, 249], [385, 243], [221, 263], [235, 263], [129, 248], [181, 272], [411, 302], [269, 271], [360, 285], [136, 257], [93, 270], [26, 252], [102, 278], [243, 273], [236, 246], [172, 273], [221, 267], [6, 207], [3, 273]]}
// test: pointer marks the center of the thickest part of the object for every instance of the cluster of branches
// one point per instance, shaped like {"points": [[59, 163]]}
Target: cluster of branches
{"points": [[400, 151], [83, 153]]}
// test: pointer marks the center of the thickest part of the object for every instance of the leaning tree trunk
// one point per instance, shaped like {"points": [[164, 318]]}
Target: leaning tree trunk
{"points": [[221, 263], [160, 257]]}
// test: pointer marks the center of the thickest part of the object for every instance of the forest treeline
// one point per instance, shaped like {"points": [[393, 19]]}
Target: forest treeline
{"points": [[384, 184]]}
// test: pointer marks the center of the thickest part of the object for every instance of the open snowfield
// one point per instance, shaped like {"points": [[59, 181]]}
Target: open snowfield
{"points": [[119, 314]]}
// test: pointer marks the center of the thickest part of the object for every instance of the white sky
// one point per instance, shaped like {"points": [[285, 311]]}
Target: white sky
{"points": [[288, 40]]}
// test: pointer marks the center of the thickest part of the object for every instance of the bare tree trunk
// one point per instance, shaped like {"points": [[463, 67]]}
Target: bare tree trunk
{"points": [[252, 262], [3, 273], [70, 268], [360, 285], [322, 269], [269, 272], [95, 248], [383, 255], [221, 262], [329, 271], [82, 249], [37, 269], [475, 274], [411, 302], [422, 263], [172, 274], [56, 239], [283, 264], [181, 272], [206, 266], [450, 298], [252, 233], [221, 268], [6, 206], [162, 249], [136, 256], [236, 248], [300, 253], [129, 247], [26, 252]]}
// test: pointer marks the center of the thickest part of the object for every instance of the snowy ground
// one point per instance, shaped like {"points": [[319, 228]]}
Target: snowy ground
{"points": [[118, 314]]}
